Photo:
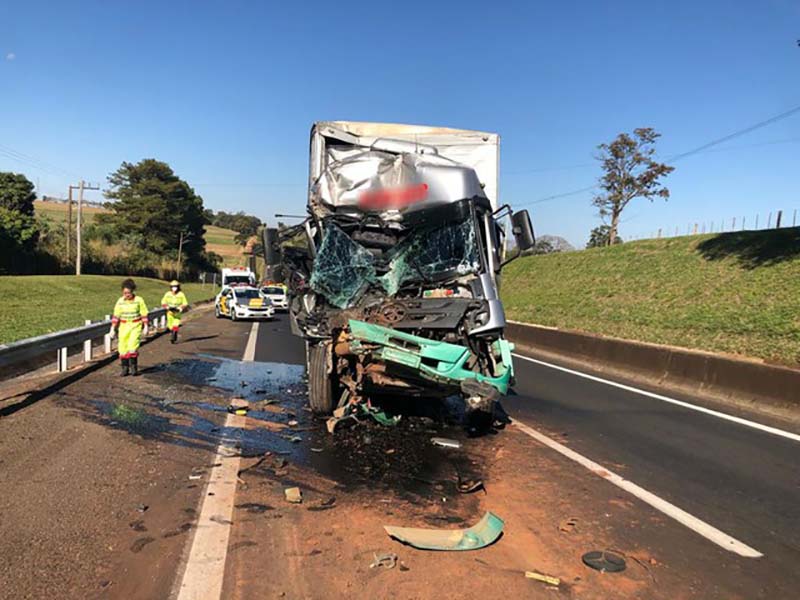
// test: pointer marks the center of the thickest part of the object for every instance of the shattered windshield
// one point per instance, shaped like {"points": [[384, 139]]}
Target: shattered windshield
{"points": [[343, 269], [431, 255]]}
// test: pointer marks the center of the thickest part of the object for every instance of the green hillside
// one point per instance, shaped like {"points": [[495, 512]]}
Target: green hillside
{"points": [[733, 292], [37, 304]]}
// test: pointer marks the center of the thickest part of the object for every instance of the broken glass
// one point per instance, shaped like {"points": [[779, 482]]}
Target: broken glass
{"points": [[449, 251], [342, 268]]}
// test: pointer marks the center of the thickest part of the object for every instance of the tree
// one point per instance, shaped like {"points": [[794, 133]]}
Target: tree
{"points": [[245, 225], [630, 172], [556, 243], [16, 193], [153, 208], [19, 231], [600, 236]]}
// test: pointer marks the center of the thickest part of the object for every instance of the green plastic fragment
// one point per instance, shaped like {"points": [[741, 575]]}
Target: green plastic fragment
{"points": [[484, 532]]}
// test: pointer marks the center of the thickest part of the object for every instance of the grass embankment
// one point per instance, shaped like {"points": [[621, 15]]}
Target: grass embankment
{"points": [[734, 292], [37, 304], [218, 240]]}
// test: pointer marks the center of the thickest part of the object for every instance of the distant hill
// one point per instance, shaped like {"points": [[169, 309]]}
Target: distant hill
{"points": [[734, 292]]}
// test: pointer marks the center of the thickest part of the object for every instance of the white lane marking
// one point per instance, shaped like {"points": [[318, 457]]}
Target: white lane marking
{"points": [[205, 568], [250, 349], [766, 428], [709, 532]]}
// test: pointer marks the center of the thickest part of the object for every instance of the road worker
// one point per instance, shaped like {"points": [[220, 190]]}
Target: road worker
{"points": [[175, 302], [129, 322]]}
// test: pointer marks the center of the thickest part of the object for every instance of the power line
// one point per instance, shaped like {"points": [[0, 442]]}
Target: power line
{"points": [[680, 156], [34, 161], [736, 134]]}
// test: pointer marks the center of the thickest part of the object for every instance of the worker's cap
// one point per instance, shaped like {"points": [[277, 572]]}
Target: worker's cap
{"points": [[174, 283]]}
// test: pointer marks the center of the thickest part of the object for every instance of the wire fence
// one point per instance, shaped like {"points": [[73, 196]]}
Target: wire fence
{"points": [[778, 219]]}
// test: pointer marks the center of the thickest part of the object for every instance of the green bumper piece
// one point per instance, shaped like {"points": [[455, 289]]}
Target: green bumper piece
{"points": [[439, 361]]}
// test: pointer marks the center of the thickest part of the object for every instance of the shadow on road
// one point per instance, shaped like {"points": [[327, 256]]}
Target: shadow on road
{"points": [[34, 396], [753, 248]]}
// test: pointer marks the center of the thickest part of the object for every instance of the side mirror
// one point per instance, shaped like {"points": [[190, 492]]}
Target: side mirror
{"points": [[523, 230]]}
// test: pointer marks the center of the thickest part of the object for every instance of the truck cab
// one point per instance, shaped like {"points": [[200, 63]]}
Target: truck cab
{"points": [[393, 277]]}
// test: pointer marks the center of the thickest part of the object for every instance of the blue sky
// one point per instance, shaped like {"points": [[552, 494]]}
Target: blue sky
{"points": [[226, 93]]}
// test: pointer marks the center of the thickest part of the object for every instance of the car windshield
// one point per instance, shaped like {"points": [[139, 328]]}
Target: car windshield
{"points": [[234, 279], [343, 269], [273, 290], [248, 294]]}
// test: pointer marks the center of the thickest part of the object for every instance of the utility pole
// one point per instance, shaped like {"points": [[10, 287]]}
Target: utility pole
{"points": [[69, 222], [81, 186], [180, 251]]}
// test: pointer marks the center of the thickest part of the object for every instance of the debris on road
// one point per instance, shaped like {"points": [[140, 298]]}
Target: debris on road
{"points": [[293, 423], [293, 495], [195, 476], [480, 535], [604, 561], [324, 505], [467, 486], [568, 525], [543, 578], [386, 560], [445, 442], [142, 508], [237, 410]]}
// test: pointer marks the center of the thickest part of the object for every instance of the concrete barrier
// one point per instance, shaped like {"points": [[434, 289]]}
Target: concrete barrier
{"points": [[740, 380]]}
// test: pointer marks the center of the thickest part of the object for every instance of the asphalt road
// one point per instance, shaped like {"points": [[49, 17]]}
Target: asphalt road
{"points": [[92, 443], [740, 480]]}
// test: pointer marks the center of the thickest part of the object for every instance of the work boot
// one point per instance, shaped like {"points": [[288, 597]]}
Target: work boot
{"points": [[125, 367], [134, 366], [174, 338]]}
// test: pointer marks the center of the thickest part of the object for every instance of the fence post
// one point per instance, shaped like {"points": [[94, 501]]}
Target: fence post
{"points": [[695, 229], [769, 221], [107, 339], [87, 345], [778, 220], [794, 217], [756, 220], [733, 224], [61, 360]]}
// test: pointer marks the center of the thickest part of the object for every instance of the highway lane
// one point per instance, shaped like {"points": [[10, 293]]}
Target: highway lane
{"points": [[740, 480]]}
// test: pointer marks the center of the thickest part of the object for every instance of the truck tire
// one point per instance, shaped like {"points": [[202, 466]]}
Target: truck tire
{"points": [[216, 311], [320, 381]]}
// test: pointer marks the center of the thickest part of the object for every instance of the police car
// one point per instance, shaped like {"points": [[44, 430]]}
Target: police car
{"points": [[277, 295], [242, 302]]}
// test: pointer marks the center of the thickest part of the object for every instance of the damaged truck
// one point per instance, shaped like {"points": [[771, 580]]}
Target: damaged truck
{"points": [[393, 276]]}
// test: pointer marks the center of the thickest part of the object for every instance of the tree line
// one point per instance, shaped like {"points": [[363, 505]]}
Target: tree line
{"points": [[153, 216]]}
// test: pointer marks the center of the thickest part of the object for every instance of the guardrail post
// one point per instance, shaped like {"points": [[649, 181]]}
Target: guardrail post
{"points": [[107, 339], [61, 360], [163, 321], [87, 345]]}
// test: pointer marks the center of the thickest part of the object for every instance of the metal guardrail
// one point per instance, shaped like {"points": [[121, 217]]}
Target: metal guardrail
{"points": [[61, 341]]}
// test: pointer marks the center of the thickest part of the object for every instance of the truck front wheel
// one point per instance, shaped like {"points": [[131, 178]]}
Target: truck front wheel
{"points": [[321, 383]]}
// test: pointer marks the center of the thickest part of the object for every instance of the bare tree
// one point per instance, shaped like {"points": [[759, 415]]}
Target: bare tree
{"points": [[630, 172]]}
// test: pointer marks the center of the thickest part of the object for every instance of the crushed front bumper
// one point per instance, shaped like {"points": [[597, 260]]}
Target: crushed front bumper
{"points": [[437, 361]]}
